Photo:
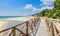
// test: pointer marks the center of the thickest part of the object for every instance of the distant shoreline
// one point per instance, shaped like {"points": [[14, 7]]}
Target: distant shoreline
{"points": [[3, 17]]}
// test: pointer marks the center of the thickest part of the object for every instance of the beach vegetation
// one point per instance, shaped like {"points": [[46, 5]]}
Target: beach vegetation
{"points": [[51, 13]]}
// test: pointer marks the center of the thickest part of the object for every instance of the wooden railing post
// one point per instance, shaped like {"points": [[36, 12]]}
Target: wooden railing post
{"points": [[52, 28], [13, 31], [27, 28]]}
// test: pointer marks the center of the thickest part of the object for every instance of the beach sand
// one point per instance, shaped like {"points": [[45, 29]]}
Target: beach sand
{"points": [[9, 22]]}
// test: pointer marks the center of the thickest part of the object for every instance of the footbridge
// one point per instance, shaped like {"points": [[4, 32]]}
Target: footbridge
{"points": [[35, 27]]}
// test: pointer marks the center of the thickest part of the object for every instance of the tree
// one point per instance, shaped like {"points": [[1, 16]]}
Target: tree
{"points": [[54, 13]]}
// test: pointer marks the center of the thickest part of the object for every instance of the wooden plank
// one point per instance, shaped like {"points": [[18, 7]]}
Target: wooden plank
{"points": [[27, 28], [52, 28]]}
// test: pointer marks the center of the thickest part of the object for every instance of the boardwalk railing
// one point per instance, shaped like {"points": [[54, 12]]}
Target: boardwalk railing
{"points": [[52, 28], [25, 28]]}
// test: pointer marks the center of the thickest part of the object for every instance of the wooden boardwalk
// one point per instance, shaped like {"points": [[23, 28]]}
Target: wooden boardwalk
{"points": [[47, 28], [34, 27], [42, 30]]}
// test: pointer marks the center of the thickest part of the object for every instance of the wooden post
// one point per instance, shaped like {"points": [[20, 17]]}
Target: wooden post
{"points": [[27, 28], [57, 32], [13, 31], [52, 28], [10, 33]]}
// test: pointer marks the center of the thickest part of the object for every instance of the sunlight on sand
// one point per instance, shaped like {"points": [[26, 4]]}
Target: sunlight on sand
{"points": [[2, 26]]}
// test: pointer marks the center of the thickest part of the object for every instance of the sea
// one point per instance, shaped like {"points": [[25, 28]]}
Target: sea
{"points": [[1, 17]]}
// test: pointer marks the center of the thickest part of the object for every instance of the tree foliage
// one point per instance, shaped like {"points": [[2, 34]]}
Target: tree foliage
{"points": [[53, 13]]}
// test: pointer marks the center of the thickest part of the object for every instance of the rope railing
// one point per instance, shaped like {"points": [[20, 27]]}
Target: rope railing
{"points": [[27, 29]]}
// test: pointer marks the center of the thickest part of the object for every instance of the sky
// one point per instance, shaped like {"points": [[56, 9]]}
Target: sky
{"points": [[24, 7]]}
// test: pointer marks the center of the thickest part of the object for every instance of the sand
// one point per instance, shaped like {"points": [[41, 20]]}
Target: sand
{"points": [[9, 22]]}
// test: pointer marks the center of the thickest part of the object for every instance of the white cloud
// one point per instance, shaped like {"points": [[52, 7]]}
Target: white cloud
{"points": [[46, 7], [29, 6], [47, 2], [34, 9]]}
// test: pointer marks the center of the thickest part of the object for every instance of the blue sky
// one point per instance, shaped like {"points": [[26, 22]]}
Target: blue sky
{"points": [[23, 7]]}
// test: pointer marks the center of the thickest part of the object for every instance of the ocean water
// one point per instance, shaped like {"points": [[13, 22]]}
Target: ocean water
{"points": [[1, 17]]}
